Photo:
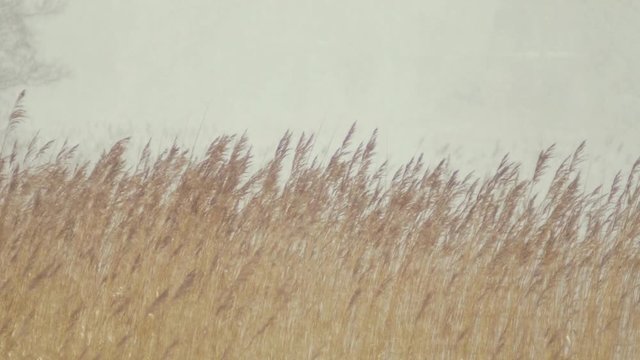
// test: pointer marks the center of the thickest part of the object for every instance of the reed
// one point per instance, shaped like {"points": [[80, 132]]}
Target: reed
{"points": [[181, 258]]}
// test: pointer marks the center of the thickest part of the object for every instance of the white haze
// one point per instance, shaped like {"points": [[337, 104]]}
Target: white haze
{"points": [[469, 80]]}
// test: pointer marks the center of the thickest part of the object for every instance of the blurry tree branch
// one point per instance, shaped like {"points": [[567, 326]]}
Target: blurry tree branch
{"points": [[19, 61]]}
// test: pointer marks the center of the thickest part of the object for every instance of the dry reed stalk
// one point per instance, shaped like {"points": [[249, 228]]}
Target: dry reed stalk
{"points": [[186, 258]]}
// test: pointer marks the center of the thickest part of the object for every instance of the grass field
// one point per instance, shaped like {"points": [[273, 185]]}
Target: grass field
{"points": [[182, 258]]}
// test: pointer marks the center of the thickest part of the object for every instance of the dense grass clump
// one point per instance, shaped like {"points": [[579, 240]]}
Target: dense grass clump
{"points": [[208, 259]]}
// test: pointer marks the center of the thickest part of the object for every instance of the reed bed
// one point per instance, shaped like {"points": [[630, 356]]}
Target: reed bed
{"points": [[182, 258]]}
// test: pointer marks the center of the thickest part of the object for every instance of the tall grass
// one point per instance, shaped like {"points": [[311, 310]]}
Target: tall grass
{"points": [[330, 259]]}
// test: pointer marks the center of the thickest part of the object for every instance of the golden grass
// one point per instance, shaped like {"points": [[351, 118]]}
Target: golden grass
{"points": [[205, 259]]}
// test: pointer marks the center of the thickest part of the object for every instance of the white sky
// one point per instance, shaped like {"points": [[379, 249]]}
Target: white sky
{"points": [[484, 77]]}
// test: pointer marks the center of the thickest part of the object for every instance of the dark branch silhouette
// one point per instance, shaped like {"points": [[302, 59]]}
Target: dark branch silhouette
{"points": [[20, 64]]}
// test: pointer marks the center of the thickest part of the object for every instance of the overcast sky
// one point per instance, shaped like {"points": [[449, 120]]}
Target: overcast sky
{"points": [[484, 77]]}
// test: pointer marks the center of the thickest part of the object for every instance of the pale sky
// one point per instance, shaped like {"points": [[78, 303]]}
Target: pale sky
{"points": [[482, 77]]}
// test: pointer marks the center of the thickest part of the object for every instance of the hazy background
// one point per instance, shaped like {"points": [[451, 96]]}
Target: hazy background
{"points": [[471, 80]]}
